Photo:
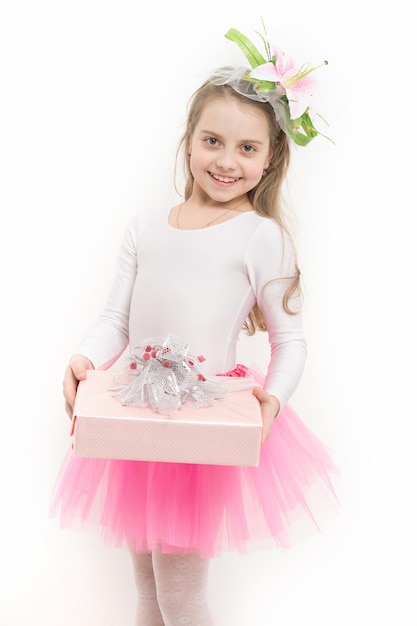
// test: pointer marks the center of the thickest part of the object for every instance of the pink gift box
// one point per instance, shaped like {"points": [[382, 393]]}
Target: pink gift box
{"points": [[228, 433]]}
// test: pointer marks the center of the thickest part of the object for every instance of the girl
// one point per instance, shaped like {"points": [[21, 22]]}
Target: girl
{"points": [[220, 261]]}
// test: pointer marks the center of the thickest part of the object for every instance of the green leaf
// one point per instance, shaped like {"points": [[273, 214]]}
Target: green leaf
{"points": [[297, 135], [264, 85], [252, 54], [310, 132], [299, 138]]}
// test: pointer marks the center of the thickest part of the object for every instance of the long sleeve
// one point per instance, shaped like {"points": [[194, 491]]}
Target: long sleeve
{"points": [[109, 336], [271, 266]]}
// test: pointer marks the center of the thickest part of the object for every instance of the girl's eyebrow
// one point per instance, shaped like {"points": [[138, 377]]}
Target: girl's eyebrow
{"points": [[243, 141]]}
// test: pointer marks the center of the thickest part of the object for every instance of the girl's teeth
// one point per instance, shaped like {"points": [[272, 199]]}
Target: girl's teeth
{"points": [[224, 180]]}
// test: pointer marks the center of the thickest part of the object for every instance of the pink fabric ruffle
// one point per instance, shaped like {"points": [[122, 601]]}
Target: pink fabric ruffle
{"points": [[175, 507]]}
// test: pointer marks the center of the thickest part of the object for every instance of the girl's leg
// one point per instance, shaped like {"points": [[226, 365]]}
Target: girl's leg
{"points": [[147, 613], [181, 587]]}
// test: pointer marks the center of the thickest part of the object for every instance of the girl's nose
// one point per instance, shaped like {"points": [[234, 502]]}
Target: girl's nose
{"points": [[226, 160]]}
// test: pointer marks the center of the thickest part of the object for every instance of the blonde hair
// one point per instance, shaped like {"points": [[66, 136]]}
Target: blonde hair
{"points": [[266, 197]]}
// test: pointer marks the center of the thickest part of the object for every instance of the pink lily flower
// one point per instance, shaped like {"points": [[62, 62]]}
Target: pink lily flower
{"points": [[296, 83]]}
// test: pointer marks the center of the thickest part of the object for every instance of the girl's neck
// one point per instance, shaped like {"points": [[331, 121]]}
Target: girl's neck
{"points": [[196, 213]]}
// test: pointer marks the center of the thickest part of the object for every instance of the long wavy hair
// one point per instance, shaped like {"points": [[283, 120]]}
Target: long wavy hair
{"points": [[266, 197]]}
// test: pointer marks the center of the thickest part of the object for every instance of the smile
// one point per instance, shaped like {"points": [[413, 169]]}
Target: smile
{"points": [[224, 179]]}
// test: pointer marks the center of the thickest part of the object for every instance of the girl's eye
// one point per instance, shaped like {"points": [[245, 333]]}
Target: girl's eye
{"points": [[248, 148], [212, 141]]}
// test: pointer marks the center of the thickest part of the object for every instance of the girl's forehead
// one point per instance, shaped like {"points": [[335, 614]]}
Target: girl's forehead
{"points": [[223, 105], [233, 114]]}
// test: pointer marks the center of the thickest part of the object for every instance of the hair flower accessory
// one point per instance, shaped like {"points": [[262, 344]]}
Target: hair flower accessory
{"points": [[278, 80]]}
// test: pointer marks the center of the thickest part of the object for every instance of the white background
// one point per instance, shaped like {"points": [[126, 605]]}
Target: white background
{"points": [[93, 98]]}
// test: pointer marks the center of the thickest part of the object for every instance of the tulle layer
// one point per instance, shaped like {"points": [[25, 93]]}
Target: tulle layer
{"points": [[209, 509]]}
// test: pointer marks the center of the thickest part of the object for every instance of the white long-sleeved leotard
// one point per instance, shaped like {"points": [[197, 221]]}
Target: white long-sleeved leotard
{"points": [[200, 285]]}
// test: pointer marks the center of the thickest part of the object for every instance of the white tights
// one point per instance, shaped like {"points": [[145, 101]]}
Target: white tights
{"points": [[172, 589]]}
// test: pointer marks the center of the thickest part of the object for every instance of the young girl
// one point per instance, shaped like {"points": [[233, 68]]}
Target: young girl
{"points": [[219, 262]]}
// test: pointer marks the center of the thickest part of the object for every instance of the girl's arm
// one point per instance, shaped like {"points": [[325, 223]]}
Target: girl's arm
{"points": [[109, 336], [271, 264]]}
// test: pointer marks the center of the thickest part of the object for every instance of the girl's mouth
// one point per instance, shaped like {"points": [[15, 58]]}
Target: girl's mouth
{"points": [[223, 179]]}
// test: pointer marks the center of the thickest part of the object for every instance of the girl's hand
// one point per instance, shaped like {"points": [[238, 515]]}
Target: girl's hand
{"points": [[269, 408], [75, 371]]}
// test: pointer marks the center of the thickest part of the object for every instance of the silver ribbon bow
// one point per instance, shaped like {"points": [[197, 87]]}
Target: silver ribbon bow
{"points": [[165, 377]]}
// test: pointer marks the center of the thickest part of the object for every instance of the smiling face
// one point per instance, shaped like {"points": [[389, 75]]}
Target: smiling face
{"points": [[229, 148]]}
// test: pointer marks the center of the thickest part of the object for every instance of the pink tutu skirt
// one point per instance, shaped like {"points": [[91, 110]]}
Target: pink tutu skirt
{"points": [[209, 509]]}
